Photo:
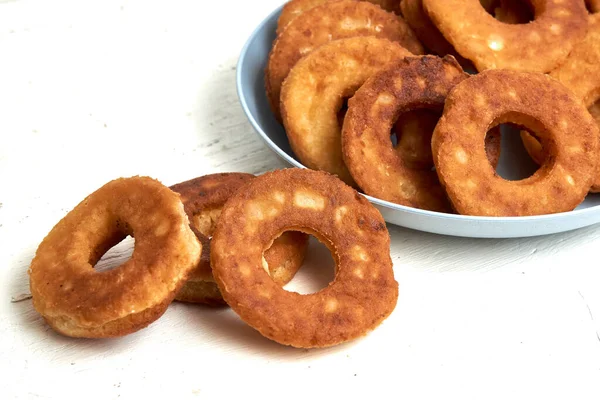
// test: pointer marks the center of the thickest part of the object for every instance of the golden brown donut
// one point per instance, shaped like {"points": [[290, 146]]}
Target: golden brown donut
{"points": [[77, 301], [323, 24], [363, 292], [413, 82], [293, 8], [538, 46], [581, 73], [315, 90], [538, 103], [203, 198]]}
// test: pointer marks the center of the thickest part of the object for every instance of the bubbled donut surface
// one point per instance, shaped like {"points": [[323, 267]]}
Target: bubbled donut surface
{"points": [[378, 168], [78, 301], [315, 90], [203, 198], [326, 23], [530, 100], [363, 292], [538, 46], [294, 8]]}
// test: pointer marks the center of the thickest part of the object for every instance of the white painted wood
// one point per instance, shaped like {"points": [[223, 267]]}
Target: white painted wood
{"points": [[94, 91]]}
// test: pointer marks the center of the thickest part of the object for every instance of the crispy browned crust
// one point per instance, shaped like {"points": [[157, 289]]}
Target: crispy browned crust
{"points": [[538, 46], [428, 34], [530, 100], [580, 72], [205, 196], [78, 301], [323, 24], [315, 90], [413, 82], [363, 292], [294, 8]]}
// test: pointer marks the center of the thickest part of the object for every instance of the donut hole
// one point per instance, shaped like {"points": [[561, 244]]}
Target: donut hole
{"points": [[206, 221], [317, 271], [116, 255], [411, 136], [592, 6], [594, 110], [341, 114], [509, 11], [515, 163]]}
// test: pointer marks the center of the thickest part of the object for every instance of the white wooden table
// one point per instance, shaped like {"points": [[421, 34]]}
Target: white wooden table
{"points": [[91, 91]]}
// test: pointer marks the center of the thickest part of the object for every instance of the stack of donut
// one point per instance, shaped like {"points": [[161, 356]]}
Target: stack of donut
{"points": [[344, 76], [223, 239]]}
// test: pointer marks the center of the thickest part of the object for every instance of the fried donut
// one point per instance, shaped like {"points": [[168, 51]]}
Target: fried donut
{"points": [[77, 301], [203, 199], [414, 130], [413, 82], [323, 24], [314, 92], [363, 292], [581, 73], [293, 8], [526, 99], [538, 46]]}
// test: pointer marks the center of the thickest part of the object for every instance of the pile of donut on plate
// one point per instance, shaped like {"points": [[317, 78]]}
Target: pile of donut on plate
{"points": [[235, 239], [442, 76], [221, 239]]}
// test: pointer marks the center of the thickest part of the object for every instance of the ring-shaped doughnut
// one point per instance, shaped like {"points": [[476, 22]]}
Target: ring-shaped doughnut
{"points": [[323, 24], [538, 46], [76, 300], [377, 168], [203, 198], [581, 73], [363, 292], [294, 8], [529, 100], [315, 90]]}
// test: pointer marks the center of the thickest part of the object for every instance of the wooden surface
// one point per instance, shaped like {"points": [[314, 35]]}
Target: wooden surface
{"points": [[91, 92]]}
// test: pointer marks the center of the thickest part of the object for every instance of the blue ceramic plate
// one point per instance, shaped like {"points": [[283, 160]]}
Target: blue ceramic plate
{"points": [[251, 92]]}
